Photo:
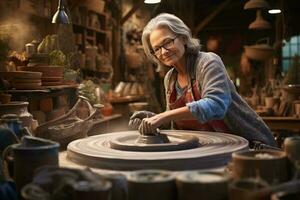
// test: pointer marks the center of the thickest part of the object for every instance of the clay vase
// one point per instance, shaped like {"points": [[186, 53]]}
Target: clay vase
{"points": [[29, 155]]}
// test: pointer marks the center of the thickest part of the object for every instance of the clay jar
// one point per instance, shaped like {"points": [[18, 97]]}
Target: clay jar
{"points": [[28, 155], [119, 189], [151, 184], [269, 165], [202, 185], [20, 109], [292, 149]]}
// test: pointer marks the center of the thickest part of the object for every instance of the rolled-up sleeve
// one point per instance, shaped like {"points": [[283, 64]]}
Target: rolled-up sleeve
{"points": [[216, 94]]}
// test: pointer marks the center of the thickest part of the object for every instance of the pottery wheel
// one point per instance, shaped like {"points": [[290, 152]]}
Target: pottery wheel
{"points": [[213, 149]]}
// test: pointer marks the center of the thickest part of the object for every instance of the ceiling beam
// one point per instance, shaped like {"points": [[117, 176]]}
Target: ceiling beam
{"points": [[132, 11], [210, 17]]}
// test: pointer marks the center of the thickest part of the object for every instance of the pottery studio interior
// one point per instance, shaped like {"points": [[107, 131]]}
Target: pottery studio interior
{"points": [[149, 100]]}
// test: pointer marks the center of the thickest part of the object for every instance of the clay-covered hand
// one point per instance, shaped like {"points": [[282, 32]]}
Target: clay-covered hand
{"points": [[147, 128], [137, 117]]}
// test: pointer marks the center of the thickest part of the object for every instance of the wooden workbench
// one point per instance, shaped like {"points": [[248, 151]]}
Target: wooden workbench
{"points": [[283, 123]]}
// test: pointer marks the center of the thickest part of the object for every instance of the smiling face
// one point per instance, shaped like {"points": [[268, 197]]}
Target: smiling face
{"points": [[168, 47]]}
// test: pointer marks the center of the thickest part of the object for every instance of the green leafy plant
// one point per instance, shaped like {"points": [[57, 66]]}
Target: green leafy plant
{"points": [[57, 57]]}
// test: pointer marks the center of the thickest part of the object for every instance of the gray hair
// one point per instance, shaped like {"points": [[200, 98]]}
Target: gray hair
{"points": [[175, 25]]}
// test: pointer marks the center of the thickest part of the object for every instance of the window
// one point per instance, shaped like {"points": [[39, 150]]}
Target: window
{"points": [[289, 50]]}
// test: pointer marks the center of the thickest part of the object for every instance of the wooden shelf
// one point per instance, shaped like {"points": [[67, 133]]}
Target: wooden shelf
{"points": [[127, 99], [44, 89], [101, 31], [282, 123]]}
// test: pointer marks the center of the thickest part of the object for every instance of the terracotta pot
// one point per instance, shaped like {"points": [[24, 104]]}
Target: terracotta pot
{"points": [[107, 110]]}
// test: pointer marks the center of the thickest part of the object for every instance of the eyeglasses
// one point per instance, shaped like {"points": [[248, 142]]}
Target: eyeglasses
{"points": [[166, 45]]}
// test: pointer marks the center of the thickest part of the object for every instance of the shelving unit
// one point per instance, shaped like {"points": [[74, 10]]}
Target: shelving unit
{"points": [[92, 37], [91, 29]]}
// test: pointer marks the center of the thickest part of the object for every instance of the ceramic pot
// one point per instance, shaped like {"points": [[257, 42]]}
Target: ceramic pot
{"points": [[119, 189], [246, 188], [201, 185], [20, 108], [47, 71], [269, 165], [151, 184]]}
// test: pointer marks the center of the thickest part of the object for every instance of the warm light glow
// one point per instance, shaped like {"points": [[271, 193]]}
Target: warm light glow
{"points": [[151, 1], [274, 11]]}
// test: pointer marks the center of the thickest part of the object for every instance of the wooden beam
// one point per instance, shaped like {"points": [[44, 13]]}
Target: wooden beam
{"points": [[132, 11], [200, 26]]}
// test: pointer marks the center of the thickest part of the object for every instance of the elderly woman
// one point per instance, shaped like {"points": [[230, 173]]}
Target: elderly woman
{"points": [[199, 92]]}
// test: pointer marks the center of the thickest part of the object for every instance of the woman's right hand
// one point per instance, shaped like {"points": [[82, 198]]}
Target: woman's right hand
{"points": [[137, 117]]}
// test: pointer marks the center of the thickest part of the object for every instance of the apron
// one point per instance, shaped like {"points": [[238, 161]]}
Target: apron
{"points": [[192, 93]]}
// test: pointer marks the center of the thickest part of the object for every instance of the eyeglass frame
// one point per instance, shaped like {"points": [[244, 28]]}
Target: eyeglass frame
{"points": [[159, 48]]}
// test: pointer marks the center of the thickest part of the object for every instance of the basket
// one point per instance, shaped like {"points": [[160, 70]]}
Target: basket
{"points": [[68, 127]]}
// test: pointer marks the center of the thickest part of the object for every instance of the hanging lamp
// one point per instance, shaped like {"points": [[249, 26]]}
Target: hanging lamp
{"points": [[152, 1], [256, 4], [60, 17], [259, 23]]}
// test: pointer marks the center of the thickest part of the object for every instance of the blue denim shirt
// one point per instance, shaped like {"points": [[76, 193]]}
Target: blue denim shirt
{"points": [[220, 100]]}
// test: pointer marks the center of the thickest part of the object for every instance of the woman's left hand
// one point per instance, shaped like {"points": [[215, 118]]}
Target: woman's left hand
{"points": [[150, 125]]}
